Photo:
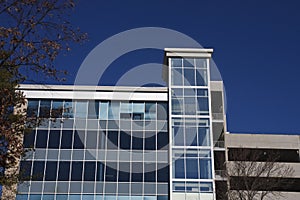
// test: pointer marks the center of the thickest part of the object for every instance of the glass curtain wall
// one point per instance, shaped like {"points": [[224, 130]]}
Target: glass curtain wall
{"points": [[190, 127]]}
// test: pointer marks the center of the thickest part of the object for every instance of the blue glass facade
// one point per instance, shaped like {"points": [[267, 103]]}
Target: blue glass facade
{"points": [[192, 170], [96, 150]]}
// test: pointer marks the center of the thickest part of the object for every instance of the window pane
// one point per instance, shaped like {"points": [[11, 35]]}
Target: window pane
{"points": [[66, 140], [179, 168], [190, 136], [89, 171], [190, 105], [114, 110], [203, 105], [125, 140], [150, 140], [178, 136], [111, 172], [29, 139], [124, 172], [76, 171], [201, 77], [188, 63], [189, 77], [103, 110], [176, 76], [176, 62], [162, 111], [206, 187], [137, 140], [41, 140], [93, 109], [112, 142], [68, 110], [205, 168], [91, 141], [32, 108], [163, 173], [162, 140], [81, 109], [57, 109], [64, 170], [203, 136], [54, 138], [192, 168], [201, 63], [100, 172], [38, 170], [79, 137], [25, 170], [51, 167], [45, 108]]}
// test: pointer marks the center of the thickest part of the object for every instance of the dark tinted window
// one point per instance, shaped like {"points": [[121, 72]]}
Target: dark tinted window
{"points": [[66, 140], [162, 140], [125, 140], [79, 139], [111, 172], [38, 170], [41, 140], [54, 138], [162, 173], [124, 172], [32, 108], [76, 171], [64, 170], [150, 140], [112, 142], [29, 139], [137, 140], [89, 171], [51, 167], [45, 106], [25, 170], [100, 172], [91, 139]]}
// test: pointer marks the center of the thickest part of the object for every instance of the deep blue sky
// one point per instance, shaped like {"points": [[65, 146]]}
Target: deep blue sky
{"points": [[256, 47]]}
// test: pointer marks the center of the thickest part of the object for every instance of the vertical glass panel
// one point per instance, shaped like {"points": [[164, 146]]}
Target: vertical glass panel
{"points": [[91, 140], [79, 137], [81, 109], [201, 77], [100, 172], [162, 111], [93, 109], [203, 105], [57, 109], [25, 170], [188, 63], [206, 187], [201, 63], [51, 167], [54, 139], [137, 140], [177, 106], [178, 135], [112, 140], [101, 140], [32, 108], [162, 140], [68, 109], [203, 136], [190, 136], [45, 106], [76, 171], [192, 186], [114, 110], [41, 139], [64, 170], [189, 77], [29, 139], [192, 168], [163, 173], [38, 170], [125, 140], [179, 168], [138, 107], [176, 62], [103, 110], [126, 107], [124, 172], [190, 105], [66, 140], [176, 76], [150, 110], [89, 171], [205, 168], [150, 140], [111, 172]]}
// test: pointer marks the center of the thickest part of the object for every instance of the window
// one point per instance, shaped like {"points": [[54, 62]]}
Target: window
{"points": [[32, 108], [51, 167], [64, 170], [54, 139], [57, 109], [76, 171], [41, 140], [38, 170], [66, 140], [45, 108], [89, 171]]}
